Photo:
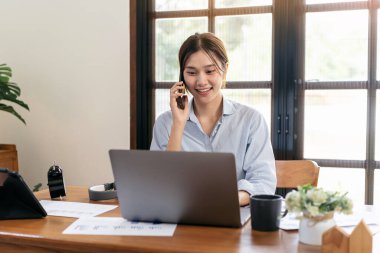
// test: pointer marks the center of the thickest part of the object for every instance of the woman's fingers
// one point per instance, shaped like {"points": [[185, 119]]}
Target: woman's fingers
{"points": [[178, 99], [177, 89]]}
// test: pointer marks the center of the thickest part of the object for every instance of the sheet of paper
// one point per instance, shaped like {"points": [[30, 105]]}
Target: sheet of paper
{"points": [[74, 209], [118, 226], [374, 229], [289, 222]]}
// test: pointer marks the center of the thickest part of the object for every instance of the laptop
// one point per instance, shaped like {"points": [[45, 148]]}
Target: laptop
{"points": [[196, 188]]}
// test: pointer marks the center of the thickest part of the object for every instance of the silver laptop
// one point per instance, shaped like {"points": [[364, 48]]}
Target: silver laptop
{"points": [[197, 188]]}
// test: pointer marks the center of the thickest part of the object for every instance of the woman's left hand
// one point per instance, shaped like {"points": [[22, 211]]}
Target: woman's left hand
{"points": [[243, 198]]}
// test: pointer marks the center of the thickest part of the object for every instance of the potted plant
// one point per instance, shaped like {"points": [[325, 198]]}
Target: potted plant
{"points": [[315, 207], [9, 92]]}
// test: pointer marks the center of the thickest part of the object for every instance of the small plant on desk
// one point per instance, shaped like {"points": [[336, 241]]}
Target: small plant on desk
{"points": [[37, 187], [316, 207]]}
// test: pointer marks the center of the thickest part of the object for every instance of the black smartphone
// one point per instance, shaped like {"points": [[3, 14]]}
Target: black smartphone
{"points": [[181, 100]]}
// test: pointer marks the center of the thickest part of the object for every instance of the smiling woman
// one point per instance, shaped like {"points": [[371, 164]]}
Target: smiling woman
{"points": [[204, 79], [210, 122]]}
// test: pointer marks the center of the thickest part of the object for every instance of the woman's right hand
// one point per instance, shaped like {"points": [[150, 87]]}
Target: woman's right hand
{"points": [[180, 116]]}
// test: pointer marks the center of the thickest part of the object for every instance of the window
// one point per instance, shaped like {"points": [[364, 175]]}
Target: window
{"points": [[247, 34], [338, 94], [309, 66]]}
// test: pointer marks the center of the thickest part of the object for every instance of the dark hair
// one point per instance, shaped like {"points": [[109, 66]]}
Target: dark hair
{"points": [[209, 43]]}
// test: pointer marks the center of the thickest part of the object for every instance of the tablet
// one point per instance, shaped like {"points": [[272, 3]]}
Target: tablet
{"points": [[17, 200]]}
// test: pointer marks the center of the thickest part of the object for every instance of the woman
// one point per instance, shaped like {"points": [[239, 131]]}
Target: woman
{"points": [[211, 122]]}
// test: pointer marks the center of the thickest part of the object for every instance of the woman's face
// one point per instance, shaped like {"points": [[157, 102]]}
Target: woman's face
{"points": [[203, 78]]}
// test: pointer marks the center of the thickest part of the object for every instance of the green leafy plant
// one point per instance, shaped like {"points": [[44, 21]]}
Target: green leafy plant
{"points": [[316, 202], [10, 92], [37, 187]]}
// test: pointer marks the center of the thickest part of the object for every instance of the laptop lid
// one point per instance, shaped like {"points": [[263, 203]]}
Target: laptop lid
{"points": [[197, 188]]}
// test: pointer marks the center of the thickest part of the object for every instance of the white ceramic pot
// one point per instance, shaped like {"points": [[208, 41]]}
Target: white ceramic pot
{"points": [[311, 230]]}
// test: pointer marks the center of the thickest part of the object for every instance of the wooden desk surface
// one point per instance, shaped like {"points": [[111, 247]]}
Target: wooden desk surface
{"points": [[45, 235]]}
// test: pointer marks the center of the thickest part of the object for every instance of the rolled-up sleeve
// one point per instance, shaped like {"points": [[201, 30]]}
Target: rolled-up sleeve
{"points": [[259, 162]]}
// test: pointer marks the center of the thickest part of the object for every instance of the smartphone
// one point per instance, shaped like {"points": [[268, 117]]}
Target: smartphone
{"points": [[181, 100]]}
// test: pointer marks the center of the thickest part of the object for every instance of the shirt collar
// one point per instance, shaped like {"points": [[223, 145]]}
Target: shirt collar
{"points": [[228, 109], [192, 116]]}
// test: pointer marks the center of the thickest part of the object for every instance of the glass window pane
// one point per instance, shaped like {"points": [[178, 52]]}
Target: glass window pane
{"points": [[241, 3], [175, 5], [170, 34], [162, 97], [335, 124], [336, 45], [260, 99], [376, 200], [352, 182], [248, 39], [331, 1]]}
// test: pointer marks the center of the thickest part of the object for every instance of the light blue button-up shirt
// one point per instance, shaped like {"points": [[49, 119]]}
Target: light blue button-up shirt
{"points": [[242, 131]]}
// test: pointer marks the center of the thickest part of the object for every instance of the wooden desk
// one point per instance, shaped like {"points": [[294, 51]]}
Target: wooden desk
{"points": [[45, 235]]}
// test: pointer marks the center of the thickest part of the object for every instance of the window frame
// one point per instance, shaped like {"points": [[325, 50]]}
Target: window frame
{"points": [[288, 76], [371, 85]]}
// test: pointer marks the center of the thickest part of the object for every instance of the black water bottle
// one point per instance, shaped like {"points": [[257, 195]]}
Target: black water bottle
{"points": [[55, 182]]}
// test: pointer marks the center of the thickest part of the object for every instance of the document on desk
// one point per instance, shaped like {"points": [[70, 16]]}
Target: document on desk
{"points": [[118, 226], [74, 209], [290, 222]]}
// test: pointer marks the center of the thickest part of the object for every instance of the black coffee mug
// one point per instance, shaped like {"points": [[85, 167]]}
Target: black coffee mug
{"points": [[266, 212]]}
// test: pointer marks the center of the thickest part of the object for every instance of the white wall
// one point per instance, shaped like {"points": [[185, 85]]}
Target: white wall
{"points": [[71, 60]]}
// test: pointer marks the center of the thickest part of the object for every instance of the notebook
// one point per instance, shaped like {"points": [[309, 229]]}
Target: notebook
{"points": [[197, 188]]}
